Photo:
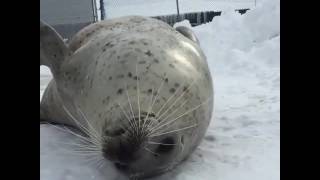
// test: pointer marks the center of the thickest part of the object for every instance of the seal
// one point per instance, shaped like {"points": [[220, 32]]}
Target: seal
{"points": [[139, 90]]}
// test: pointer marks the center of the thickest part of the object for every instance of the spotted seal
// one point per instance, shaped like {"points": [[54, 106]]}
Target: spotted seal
{"points": [[139, 90]]}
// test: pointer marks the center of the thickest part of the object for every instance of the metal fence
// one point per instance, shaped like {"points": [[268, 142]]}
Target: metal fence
{"points": [[172, 11], [69, 16]]}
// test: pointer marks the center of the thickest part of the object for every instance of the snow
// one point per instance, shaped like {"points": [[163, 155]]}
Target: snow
{"points": [[243, 140]]}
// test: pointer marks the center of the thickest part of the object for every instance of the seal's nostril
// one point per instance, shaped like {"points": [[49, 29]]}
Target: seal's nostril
{"points": [[117, 132], [121, 166]]}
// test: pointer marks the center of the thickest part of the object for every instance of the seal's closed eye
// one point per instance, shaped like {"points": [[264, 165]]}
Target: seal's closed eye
{"points": [[166, 145]]}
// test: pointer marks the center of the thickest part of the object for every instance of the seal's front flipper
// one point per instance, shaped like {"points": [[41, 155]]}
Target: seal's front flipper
{"points": [[53, 50], [187, 32]]}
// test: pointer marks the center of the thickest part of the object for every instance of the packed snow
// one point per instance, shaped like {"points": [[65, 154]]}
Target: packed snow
{"points": [[243, 140]]}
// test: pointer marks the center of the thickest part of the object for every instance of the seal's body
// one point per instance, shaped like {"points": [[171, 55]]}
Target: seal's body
{"points": [[139, 89]]}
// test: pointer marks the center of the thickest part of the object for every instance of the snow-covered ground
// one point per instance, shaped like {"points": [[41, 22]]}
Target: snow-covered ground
{"points": [[243, 140]]}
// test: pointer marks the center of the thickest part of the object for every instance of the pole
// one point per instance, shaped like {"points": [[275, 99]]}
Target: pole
{"points": [[177, 2], [103, 14]]}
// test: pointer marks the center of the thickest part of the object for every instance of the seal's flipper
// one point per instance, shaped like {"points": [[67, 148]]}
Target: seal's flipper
{"points": [[187, 32], [53, 50]]}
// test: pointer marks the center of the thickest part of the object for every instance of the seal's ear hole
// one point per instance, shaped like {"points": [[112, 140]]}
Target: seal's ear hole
{"points": [[166, 145]]}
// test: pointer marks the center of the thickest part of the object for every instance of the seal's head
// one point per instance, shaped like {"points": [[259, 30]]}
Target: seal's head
{"points": [[140, 89]]}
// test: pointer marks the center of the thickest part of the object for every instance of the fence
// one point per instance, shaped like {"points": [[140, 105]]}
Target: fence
{"points": [[69, 16], [172, 11]]}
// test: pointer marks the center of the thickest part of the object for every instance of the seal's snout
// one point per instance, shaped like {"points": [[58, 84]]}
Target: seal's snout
{"points": [[120, 149]]}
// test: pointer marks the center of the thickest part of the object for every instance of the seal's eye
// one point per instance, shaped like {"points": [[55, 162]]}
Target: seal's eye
{"points": [[166, 145]]}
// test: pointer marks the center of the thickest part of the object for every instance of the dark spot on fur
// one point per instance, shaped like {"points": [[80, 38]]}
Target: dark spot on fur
{"points": [[149, 90], [120, 91], [104, 49], [142, 62], [166, 80], [110, 78], [55, 56], [171, 65], [108, 44], [126, 55], [131, 42], [130, 74], [136, 78], [156, 60], [185, 88], [172, 90], [148, 53], [120, 76], [138, 50], [176, 85]]}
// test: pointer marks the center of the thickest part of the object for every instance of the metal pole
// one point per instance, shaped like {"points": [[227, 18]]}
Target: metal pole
{"points": [[94, 9], [103, 14], [177, 2]]}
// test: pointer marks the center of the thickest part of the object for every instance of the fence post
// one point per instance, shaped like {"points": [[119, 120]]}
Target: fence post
{"points": [[103, 14]]}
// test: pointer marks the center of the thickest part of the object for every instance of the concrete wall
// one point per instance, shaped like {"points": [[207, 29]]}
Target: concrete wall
{"points": [[68, 16]]}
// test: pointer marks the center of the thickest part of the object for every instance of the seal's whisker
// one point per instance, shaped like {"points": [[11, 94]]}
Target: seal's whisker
{"points": [[82, 146], [169, 99], [147, 149], [172, 96], [129, 101], [158, 92], [93, 159], [86, 131], [94, 133], [123, 111], [100, 163], [177, 99], [82, 138], [149, 109], [151, 142], [138, 93], [171, 121], [176, 130], [174, 111], [86, 152]]}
